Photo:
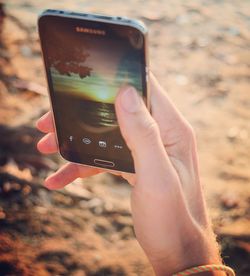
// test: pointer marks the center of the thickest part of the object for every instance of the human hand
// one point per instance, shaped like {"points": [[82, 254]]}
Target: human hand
{"points": [[167, 202]]}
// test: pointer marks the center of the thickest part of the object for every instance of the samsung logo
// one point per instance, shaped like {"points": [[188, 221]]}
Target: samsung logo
{"points": [[90, 31]]}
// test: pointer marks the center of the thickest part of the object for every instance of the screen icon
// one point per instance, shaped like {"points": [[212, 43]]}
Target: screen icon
{"points": [[86, 140], [118, 147], [102, 144]]}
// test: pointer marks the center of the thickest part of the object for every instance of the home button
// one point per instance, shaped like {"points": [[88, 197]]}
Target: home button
{"points": [[104, 163]]}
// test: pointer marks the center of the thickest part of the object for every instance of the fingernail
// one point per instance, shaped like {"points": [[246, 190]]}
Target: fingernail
{"points": [[130, 100]]}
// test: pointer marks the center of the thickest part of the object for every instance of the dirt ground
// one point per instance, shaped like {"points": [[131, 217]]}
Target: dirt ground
{"points": [[200, 52]]}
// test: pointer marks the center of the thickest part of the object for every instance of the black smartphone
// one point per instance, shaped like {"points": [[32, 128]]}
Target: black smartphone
{"points": [[87, 58]]}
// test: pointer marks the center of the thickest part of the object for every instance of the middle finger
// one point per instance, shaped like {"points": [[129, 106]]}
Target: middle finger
{"points": [[48, 144]]}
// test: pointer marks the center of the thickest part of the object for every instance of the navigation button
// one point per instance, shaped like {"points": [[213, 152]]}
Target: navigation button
{"points": [[102, 144], [86, 140], [104, 163], [118, 146]]}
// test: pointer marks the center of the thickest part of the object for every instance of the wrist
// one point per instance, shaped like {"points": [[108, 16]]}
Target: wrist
{"points": [[199, 250], [211, 273]]}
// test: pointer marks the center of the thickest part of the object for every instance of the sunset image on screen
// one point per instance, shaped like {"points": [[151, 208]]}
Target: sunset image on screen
{"points": [[90, 75], [106, 72]]}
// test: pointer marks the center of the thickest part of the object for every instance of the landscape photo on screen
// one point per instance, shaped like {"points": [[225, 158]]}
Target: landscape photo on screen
{"points": [[87, 72]]}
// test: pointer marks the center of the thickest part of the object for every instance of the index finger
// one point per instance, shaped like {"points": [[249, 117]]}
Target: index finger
{"points": [[45, 123]]}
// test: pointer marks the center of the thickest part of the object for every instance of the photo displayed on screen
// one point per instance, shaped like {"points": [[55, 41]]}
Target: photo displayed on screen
{"points": [[88, 64]]}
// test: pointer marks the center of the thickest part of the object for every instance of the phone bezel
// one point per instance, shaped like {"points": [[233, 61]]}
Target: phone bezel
{"points": [[102, 19]]}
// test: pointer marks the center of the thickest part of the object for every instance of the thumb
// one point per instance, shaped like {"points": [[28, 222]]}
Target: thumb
{"points": [[139, 129]]}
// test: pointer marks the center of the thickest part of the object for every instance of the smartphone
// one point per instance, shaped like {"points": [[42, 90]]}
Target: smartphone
{"points": [[88, 58]]}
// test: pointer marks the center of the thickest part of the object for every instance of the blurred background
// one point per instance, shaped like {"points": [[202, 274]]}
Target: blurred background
{"points": [[200, 52]]}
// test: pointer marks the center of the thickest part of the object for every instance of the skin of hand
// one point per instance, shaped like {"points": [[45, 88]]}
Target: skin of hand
{"points": [[168, 208]]}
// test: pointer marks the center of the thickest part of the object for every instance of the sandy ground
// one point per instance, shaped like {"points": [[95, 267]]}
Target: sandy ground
{"points": [[199, 50]]}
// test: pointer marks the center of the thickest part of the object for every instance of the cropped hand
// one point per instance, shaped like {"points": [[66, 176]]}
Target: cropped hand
{"points": [[167, 202]]}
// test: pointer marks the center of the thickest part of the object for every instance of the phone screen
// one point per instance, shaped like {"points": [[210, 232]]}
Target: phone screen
{"points": [[87, 62]]}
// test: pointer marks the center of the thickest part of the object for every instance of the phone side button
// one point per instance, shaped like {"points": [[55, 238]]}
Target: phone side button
{"points": [[104, 163]]}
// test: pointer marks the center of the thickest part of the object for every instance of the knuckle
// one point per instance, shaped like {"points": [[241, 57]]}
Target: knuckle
{"points": [[188, 132], [187, 140], [149, 130]]}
